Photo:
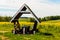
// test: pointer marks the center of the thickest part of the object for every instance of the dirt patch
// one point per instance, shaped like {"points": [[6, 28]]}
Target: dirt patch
{"points": [[4, 38]]}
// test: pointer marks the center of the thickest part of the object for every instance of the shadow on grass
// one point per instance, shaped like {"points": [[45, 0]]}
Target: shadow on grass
{"points": [[46, 34]]}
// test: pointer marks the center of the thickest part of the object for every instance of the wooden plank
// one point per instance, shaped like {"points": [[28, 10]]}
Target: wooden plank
{"points": [[16, 17]]}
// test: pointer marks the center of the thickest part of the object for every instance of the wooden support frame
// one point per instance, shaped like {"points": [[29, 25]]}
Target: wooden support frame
{"points": [[22, 11], [19, 13]]}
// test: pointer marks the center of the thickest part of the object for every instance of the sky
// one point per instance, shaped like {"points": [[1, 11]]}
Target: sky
{"points": [[41, 8]]}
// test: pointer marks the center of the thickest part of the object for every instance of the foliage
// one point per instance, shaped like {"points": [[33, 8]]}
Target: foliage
{"points": [[32, 19], [50, 18], [5, 19], [29, 19]]}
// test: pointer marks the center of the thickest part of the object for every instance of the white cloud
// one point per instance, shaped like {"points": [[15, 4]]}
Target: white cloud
{"points": [[39, 7]]}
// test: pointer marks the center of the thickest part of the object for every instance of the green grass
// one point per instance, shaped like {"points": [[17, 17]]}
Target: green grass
{"points": [[0, 39], [52, 29], [6, 27], [37, 36], [24, 19]]}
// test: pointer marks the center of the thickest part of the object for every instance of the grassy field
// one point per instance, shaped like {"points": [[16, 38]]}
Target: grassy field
{"points": [[51, 27]]}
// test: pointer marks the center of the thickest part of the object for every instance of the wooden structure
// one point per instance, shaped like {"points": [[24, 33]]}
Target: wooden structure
{"points": [[19, 13]]}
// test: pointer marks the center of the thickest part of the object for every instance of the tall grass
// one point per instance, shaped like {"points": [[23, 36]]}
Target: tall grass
{"points": [[44, 27]]}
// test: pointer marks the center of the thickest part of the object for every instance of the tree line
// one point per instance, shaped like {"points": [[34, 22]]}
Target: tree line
{"points": [[7, 19], [50, 18]]}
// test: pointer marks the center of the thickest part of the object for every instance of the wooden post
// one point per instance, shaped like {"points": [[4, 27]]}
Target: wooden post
{"points": [[14, 31], [34, 32], [35, 25], [24, 30], [14, 25], [18, 25]]}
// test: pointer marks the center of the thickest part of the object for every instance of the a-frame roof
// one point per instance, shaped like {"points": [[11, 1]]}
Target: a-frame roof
{"points": [[21, 11]]}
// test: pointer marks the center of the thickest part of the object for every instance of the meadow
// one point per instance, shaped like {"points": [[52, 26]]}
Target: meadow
{"points": [[51, 27]]}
